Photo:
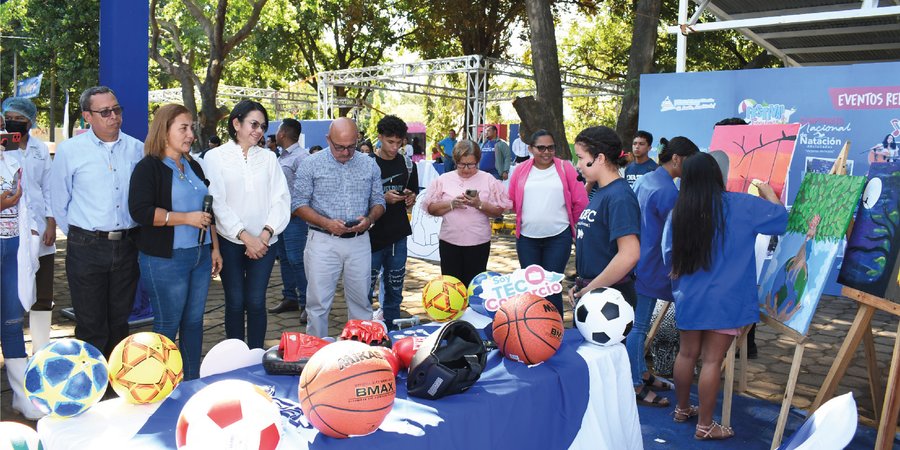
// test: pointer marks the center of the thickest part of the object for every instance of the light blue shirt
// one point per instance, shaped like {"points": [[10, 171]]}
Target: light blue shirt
{"points": [[187, 196], [289, 159], [337, 191], [89, 182]]}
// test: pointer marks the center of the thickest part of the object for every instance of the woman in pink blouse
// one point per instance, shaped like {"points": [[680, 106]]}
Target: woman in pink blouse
{"points": [[467, 199]]}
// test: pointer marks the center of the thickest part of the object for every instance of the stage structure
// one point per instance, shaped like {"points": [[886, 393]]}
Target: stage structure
{"points": [[278, 99], [422, 78], [801, 32]]}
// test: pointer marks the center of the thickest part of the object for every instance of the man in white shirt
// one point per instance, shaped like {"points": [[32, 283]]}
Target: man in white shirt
{"points": [[520, 150]]}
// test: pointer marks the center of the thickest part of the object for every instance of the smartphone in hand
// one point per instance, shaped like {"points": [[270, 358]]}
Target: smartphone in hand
{"points": [[472, 193], [351, 223]]}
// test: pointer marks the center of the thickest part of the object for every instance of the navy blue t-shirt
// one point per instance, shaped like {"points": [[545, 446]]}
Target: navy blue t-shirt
{"points": [[612, 213], [635, 171]]}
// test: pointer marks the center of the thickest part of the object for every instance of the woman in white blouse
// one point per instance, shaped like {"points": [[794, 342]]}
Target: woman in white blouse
{"points": [[252, 206]]}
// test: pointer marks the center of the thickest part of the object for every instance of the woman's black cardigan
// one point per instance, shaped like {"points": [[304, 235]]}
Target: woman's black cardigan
{"points": [[151, 188]]}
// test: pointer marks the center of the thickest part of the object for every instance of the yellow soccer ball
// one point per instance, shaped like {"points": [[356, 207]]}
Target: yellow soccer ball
{"points": [[145, 368], [445, 298]]}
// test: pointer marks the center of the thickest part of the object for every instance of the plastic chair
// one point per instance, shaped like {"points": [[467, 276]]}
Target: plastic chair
{"points": [[833, 425]]}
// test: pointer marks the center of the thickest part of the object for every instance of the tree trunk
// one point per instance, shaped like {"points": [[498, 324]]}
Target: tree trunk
{"points": [[640, 60], [545, 110]]}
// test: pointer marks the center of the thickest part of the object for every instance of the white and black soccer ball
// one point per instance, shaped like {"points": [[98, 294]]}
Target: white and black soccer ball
{"points": [[603, 316]]}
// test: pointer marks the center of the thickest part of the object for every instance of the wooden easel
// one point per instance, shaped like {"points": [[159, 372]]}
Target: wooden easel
{"points": [[887, 406]]}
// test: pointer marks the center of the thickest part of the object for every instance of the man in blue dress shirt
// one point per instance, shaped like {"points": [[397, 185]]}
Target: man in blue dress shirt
{"points": [[338, 193], [89, 183]]}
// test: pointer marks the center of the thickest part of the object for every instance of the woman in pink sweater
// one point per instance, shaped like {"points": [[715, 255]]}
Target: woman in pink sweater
{"points": [[547, 199]]}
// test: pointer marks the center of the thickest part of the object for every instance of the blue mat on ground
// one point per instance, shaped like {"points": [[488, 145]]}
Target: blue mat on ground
{"points": [[753, 420]]}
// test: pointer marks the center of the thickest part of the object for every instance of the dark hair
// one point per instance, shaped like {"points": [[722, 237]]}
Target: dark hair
{"points": [[539, 133], [392, 126], [215, 140], [698, 221], [732, 121], [240, 112], [893, 143], [603, 140], [492, 127], [679, 145], [85, 100], [314, 149], [292, 129], [367, 144], [270, 137], [645, 135], [417, 148]]}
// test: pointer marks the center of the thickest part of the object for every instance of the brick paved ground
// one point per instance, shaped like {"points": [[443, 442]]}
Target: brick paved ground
{"points": [[767, 375]]}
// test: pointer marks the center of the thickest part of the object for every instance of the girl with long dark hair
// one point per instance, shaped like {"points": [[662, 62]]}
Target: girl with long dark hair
{"points": [[708, 244], [656, 193]]}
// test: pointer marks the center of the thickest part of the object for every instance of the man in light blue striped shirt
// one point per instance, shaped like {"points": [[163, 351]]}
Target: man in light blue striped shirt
{"points": [[89, 183], [338, 193]]}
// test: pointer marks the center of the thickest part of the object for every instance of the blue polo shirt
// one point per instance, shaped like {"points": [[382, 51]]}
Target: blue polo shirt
{"points": [[725, 296], [187, 196], [635, 171], [612, 213], [656, 193]]}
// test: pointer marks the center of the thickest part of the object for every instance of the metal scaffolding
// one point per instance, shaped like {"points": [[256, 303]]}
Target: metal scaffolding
{"points": [[421, 78], [279, 99]]}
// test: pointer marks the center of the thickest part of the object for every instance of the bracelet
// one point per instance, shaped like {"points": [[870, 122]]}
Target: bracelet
{"points": [[167, 218], [480, 205], [451, 205], [238, 235], [270, 230]]}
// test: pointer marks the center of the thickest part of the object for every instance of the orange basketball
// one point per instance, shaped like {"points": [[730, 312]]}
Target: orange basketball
{"points": [[347, 389], [528, 329]]}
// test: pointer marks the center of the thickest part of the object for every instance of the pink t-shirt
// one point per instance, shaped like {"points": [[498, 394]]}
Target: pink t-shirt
{"points": [[466, 226]]}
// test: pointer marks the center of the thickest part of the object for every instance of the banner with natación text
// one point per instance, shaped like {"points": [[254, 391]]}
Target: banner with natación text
{"points": [[859, 103]]}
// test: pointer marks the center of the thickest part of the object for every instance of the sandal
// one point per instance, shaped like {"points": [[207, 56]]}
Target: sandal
{"points": [[664, 385], [683, 415], [658, 400], [713, 431]]}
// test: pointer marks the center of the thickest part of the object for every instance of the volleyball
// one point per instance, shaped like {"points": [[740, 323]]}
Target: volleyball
{"points": [[445, 298], [476, 294], [66, 377], [229, 414], [145, 368]]}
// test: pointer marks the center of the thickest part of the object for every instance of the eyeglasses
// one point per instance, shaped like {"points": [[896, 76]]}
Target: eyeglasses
{"points": [[257, 125], [345, 148], [104, 113], [544, 148], [467, 165]]}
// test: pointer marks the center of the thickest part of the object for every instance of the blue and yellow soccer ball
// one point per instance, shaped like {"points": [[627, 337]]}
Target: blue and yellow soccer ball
{"points": [[66, 377], [476, 291]]}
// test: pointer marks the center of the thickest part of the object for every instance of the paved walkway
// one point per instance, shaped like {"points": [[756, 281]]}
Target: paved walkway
{"points": [[767, 374]]}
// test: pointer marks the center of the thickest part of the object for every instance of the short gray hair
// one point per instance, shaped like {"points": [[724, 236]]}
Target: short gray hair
{"points": [[85, 100]]}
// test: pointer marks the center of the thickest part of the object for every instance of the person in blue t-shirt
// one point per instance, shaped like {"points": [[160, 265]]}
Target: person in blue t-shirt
{"points": [[607, 245], [708, 243], [642, 164], [656, 193]]}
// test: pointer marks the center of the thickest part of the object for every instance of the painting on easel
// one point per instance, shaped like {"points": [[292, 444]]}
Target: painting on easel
{"points": [[754, 152], [872, 260], [790, 288]]}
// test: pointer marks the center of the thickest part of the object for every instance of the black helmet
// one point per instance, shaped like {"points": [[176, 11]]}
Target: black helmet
{"points": [[448, 362]]}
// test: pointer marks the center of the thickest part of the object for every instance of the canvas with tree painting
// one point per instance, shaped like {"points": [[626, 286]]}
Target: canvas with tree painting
{"points": [[872, 260], [792, 284], [754, 152]]}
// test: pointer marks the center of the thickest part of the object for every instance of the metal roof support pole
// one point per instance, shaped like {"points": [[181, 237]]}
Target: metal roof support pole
{"points": [[698, 12], [869, 4], [324, 91], [681, 53], [476, 96]]}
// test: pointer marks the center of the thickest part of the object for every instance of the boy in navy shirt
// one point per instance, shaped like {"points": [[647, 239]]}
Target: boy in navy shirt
{"points": [[642, 163]]}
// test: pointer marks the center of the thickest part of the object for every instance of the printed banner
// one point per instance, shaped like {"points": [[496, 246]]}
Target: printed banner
{"points": [[534, 279]]}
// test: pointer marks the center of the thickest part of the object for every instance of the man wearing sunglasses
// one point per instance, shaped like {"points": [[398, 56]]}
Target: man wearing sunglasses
{"points": [[89, 183], [339, 194]]}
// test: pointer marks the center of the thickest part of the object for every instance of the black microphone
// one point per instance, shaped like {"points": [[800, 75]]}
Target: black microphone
{"points": [[589, 164], [207, 208]]}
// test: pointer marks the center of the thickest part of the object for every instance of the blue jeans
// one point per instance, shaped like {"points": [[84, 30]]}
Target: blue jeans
{"points": [[177, 287], [244, 281], [634, 344], [12, 338], [290, 248], [551, 253], [392, 259]]}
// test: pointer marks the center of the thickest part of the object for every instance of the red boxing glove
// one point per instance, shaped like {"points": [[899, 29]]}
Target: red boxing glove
{"points": [[365, 331], [406, 348], [392, 358], [296, 346]]}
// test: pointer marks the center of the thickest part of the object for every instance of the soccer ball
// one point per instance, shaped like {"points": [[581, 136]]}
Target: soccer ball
{"points": [[66, 377], [17, 436], [445, 298], [476, 301], [229, 414], [145, 368], [603, 316]]}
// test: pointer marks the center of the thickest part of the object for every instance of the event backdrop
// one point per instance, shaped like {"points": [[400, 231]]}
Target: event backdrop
{"points": [[860, 103]]}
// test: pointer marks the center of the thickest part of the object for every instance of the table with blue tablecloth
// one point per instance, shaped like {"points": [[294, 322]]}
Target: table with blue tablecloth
{"points": [[581, 398]]}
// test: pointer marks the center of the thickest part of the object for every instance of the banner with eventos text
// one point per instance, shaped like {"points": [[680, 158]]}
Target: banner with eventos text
{"points": [[859, 103]]}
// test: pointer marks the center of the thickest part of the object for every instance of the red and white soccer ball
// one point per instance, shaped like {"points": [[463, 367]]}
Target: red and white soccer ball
{"points": [[229, 414]]}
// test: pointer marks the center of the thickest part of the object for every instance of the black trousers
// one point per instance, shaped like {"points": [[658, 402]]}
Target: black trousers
{"points": [[44, 282], [464, 262], [103, 277]]}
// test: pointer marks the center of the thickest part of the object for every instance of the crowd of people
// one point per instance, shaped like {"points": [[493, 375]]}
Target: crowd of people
{"points": [[153, 211]]}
